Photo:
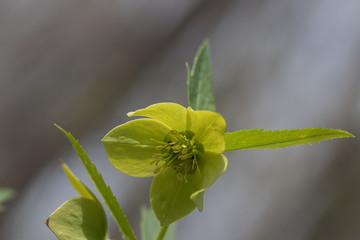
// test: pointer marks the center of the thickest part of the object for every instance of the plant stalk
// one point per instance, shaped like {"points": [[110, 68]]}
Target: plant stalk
{"points": [[162, 232]]}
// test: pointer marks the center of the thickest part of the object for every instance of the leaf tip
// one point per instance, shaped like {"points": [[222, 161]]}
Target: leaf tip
{"points": [[46, 222], [64, 165], [60, 128], [342, 133], [56, 125], [347, 134], [130, 114], [205, 42]]}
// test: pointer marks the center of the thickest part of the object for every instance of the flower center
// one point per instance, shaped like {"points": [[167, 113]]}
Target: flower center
{"points": [[179, 151]]}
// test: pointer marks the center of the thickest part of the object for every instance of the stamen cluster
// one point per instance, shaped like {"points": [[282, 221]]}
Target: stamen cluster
{"points": [[179, 151]]}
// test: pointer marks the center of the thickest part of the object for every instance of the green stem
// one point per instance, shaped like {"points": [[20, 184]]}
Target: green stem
{"points": [[162, 232]]}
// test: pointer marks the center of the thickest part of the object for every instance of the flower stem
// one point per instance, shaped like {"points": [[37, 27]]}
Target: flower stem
{"points": [[162, 232]]}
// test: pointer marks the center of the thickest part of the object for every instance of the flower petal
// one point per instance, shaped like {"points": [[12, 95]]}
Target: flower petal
{"points": [[170, 197], [130, 147], [198, 198], [171, 114], [211, 166], [209, 128]]}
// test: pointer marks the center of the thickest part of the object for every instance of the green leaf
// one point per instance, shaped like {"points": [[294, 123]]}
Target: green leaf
{"points": [[199, 80], [103, 189], [77, 184], [79, 219], [5, 195], [260, 139], [150, 226]]}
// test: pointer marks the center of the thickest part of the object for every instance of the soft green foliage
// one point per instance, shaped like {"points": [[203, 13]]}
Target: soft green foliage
{"points": [[260, 139], [79, 219], [150, 226], [103, 189], [182, 149], [5, 195], [199, 80]]}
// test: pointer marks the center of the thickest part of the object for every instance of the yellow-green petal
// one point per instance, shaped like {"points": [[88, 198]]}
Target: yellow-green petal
{"points": [[171, 114], [209, 128], [211, 166], [170, 197], [130, 147], [198, 198]]}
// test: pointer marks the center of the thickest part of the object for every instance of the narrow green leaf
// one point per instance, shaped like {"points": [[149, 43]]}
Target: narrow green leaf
{"points": [[77, 184], [5, 195], [150, 226], [260, 139], [199, 80], [103, 189], [79, 219]]}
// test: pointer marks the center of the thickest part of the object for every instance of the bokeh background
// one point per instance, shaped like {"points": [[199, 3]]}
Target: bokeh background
{"points": [[277, 64]]}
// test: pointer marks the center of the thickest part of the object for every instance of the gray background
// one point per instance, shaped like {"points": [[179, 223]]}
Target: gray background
{"points": [[277, 64]]}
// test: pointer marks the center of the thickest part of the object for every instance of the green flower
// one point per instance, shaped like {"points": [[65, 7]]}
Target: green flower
{"points": [[180, 147]]}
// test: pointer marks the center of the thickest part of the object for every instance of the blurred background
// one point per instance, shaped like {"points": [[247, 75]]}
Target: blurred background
{"points": [[277, 64]]}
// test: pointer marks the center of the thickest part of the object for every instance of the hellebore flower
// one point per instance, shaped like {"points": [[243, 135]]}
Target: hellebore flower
{"points": [[179, 146]]}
